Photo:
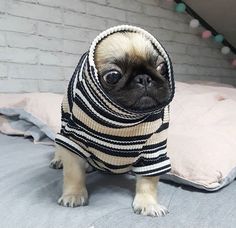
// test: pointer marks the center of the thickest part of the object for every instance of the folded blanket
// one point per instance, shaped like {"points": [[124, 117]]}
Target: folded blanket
{"points": [[35, 115]]}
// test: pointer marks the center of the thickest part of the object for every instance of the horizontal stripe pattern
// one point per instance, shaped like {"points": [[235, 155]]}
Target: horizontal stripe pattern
{"points": [[109, 137]]}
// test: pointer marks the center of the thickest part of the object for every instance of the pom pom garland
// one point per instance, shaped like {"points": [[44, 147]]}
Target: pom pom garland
{"points": [[209, 32]]}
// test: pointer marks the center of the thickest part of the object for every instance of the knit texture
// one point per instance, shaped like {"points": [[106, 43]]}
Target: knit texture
{"points": [[109, 137]]}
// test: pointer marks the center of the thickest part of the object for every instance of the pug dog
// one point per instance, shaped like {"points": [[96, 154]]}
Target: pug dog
{"points": [[115, 116]]}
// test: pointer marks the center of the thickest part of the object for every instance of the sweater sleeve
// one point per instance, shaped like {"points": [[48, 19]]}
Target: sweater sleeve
{"points": [[152, 167], [154, 160], [64, 138], [69, 97]]}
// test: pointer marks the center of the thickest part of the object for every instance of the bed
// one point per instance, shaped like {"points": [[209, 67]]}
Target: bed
{"points": [[30, 189]]}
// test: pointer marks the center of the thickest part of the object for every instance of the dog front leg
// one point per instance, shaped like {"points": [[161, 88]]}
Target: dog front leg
{"points": [[74, 190], [145, 200]]}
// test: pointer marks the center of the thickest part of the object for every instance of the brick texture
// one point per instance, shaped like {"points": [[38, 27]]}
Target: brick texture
{"points": [[41, 41]]}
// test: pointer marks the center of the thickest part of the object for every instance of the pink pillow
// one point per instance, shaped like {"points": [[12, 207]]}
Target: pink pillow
{"points": [[202, 136]]}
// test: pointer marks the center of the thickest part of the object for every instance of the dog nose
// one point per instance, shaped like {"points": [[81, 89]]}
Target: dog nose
{"points": [[143, 79]]}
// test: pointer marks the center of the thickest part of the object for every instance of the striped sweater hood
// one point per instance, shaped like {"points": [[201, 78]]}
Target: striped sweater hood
{"points": [[90, 75], [108, 136]]}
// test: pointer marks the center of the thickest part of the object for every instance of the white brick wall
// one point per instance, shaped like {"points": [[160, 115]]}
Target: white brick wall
{"points": [[41, 40]]}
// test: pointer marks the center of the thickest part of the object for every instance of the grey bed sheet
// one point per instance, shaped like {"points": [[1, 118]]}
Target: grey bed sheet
{"points": [[29, 191]]}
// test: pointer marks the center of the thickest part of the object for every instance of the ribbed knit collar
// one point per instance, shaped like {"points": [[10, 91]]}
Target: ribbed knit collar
{"points": [[88, 75]]}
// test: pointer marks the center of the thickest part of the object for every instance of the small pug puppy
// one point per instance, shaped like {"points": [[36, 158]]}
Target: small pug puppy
{"points": [[133, 75]]}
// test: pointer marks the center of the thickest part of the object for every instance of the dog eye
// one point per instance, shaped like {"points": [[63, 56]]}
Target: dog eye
{"points": [[112, 77], [162, 68]]}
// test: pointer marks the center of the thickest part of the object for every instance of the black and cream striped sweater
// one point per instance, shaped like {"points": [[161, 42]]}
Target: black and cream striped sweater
{"points": [[111, 138]]}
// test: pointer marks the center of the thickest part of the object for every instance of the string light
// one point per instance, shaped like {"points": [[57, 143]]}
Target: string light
{"points": [[233, 63], [194, 23], [206, 34], [180, 7], [219, 38], [225, 50]]}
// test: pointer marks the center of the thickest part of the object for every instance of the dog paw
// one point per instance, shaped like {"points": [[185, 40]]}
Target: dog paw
{"points": [[74, 200], [56, 164], [146, 205]]}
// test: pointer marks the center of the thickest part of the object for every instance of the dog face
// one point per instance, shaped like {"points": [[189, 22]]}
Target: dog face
{"points": [[132, 72]]}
